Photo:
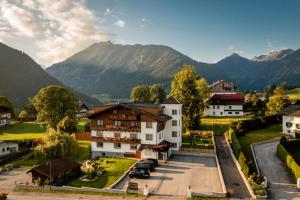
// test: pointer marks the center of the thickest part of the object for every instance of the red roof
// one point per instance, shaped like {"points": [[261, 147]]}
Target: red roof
{"points": [[227, 99]]}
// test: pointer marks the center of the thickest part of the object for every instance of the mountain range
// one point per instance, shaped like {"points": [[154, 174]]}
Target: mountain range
{"points": [[21, 77], [113, 69]]}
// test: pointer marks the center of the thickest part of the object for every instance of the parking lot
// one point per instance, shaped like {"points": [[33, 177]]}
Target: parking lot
{"points": [[174, 177]]}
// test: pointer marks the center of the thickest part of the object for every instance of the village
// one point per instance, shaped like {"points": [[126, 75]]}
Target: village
{"points": [[235, 144]]}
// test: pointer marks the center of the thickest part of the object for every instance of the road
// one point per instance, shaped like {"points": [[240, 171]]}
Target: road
{"points": [[233, 181], [280, 181]]}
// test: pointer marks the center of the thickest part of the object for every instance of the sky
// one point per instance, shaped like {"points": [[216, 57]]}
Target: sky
{"points": [[206, 30]]}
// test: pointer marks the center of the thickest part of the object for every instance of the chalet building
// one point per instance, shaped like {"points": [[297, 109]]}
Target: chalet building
{"points": [[227, 105], [83, 110], [5, 116], [136, 129], [291, 120], [223, 86], [8, 147]]}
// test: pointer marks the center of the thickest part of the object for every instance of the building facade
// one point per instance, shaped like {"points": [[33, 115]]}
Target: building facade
{"points": [[8, 147], [291, 120], [223, 86], [225, 105], [136, 130], [5, 116]]}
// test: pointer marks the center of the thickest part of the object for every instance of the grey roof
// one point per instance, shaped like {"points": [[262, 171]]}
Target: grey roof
{"points": [[171, 100], [292, 110]]}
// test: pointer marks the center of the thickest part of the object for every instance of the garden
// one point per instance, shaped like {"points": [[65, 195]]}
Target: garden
{"points": [[102, 172], [198, 140]]}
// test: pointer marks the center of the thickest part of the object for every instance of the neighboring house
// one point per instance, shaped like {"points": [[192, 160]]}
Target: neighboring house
{"points": [[5, 116], [83, 110], [227, 105], [136, 129], [8, 147], [291, 120], [223, 86]]}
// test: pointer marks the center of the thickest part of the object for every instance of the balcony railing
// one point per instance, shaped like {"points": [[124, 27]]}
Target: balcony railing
{"points": [[123, 117], [116, 128], [116, 140]]}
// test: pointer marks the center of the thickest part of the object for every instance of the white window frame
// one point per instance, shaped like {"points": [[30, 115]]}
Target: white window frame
{"points": [[150, 135]]}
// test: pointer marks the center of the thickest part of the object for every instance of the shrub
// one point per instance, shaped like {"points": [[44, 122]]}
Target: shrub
{"points": [[67, 125], [3, 196], [284, 155], [283, 141], [23, 114], [87, 127]]}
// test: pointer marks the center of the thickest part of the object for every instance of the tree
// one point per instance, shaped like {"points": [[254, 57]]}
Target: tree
{"points": [[203, 90], [148, 94], [53, 103], [278, 101], [184, 88], [157, 93], [23, 114], [67, 125], [56, 144]]}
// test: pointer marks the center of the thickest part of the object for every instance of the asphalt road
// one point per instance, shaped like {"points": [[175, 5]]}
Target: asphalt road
{"points": [[180, 172], [280, 181], [233, 181]]}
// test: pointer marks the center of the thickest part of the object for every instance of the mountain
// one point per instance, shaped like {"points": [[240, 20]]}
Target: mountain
{"points": [[273, 55], [21, 77], [114, 69]]}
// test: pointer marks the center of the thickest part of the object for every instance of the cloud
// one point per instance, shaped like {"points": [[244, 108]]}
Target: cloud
{"points": [[120, 23], [232, 49], [143, 19], [107, 11], [58, 28]]}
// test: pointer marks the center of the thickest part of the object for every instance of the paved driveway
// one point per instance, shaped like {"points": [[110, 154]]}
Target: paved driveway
{"points": [[8, 178], [281, 182], [174, 177]]}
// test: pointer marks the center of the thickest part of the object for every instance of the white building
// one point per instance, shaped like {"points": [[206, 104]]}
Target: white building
{"points": [[5, 116], [8, 147], [137, 130], [225, 105], [291, 120]]}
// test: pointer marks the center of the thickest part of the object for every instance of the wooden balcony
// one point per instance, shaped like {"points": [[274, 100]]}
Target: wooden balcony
{"points": [[121, 117], [116, 140], [116, 128]]}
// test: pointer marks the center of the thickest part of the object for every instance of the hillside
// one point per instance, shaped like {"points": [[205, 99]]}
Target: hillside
{"points": [[21, 77], [105, 69], [294, 94]]}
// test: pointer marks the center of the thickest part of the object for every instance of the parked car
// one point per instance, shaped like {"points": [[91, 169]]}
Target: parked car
{"points": [[154, 160], [145, 166], [149, 162], [139, 173]]}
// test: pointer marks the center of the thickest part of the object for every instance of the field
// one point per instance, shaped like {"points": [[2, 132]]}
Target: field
{"points": [[22, 130], [294, 94], [260, 135], [115, 168]]}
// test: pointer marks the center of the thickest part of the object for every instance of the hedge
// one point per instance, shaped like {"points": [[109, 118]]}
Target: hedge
{"points": [[286, 157]]}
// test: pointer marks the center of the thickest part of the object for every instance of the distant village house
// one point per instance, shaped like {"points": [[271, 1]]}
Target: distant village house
{"points": [[223, 86], [291, 120], [8, 147], [5, 116]]}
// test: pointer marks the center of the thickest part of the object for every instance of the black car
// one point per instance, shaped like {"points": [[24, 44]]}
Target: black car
{"points": [[139, 173], [145, 166], [149, 162], [154, 160]]}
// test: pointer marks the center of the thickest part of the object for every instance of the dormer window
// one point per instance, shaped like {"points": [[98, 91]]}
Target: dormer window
{"points": [[115, 111]]}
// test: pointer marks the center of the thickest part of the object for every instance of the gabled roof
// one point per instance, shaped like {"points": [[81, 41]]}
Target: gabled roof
{"points": [[171, 100], [292, 110], [227, 99]]}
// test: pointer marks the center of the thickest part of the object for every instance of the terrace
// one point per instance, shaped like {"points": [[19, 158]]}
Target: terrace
{"points": [[116, 140]]}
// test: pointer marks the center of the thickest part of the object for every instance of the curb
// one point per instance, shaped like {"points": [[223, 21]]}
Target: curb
{"points": [[220, 171]]}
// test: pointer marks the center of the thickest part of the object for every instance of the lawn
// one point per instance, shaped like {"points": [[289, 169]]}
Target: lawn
{"points": [[294, 94], [22, 130], [81, 124], [115, 168], [271, 132], [199, 142]]}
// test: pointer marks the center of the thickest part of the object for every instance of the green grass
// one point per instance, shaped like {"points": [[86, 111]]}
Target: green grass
{"points": [[294, 94], [115, 168], [271, 132], [81, 124], [22, 130]]}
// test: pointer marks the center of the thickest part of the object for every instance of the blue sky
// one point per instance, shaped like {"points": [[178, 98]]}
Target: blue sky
{"points": [[206, 30]]}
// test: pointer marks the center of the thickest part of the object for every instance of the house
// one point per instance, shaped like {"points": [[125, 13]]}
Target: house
{"points": [[8, 147], [5, 116], [227, 105], [137, 129], [83, 110], [291, 120], [223, 86], [55, 171]]}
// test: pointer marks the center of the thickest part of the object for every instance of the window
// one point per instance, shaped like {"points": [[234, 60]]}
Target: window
{"points": [[298, 126], [133, 123], [174, 145], [214, 113], [229, 113], [117, 123], [133, 136], [174, 112], [99, 134], [7, 148], [221, 113], [237, 113], [133, 147], [149, 136], [100, 123], [159, 135], [174, 123], [289, 124], [230, 107], [115, 111], [117, 135], [3, 149], [117, 145], [214, 107], [174, 133], [99, 144], [148, 124]]}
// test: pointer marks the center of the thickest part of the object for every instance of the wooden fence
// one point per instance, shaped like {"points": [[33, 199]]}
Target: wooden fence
{"points": [[83, 136]]}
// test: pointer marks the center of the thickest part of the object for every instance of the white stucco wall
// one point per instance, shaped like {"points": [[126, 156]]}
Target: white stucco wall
{"points": [[291, 119], [224, 110], [109, 147], [7, 148], [152, 131]]}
